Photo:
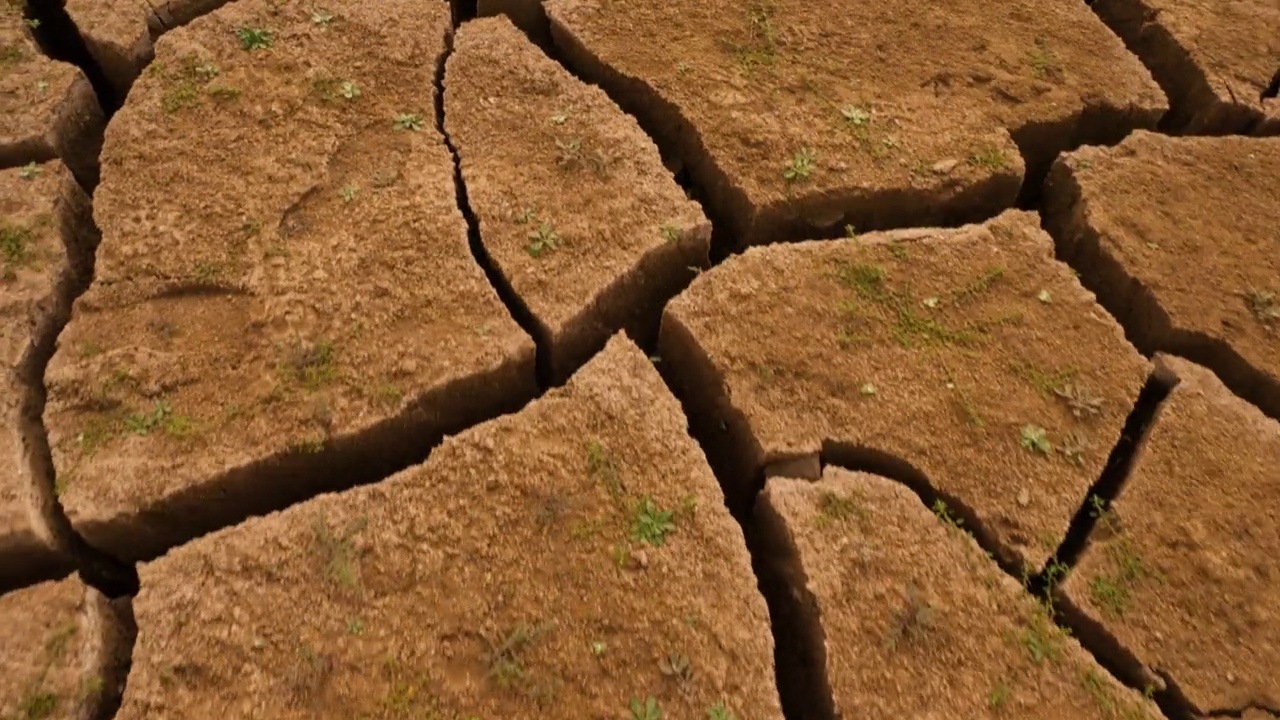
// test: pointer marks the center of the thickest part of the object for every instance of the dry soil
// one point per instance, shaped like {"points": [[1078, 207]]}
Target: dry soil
{"points": [[1214, 59], [1183, 569], [967, 360], [576, 211], [554, 562], [64, 652], [913, 620], [1180, 238], [118, 35], [800, 117], [284, 301], [48, 107]]}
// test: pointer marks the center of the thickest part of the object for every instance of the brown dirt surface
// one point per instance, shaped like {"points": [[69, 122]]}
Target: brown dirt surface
{"points": [[49, 108], [43, 257], [1214, 59], [118, 36], [801, 117], [62, 653], [505, 577], [1183, 570], [969, 359], [1131, 217], [576, 210], [284, 296], [915, 620]]}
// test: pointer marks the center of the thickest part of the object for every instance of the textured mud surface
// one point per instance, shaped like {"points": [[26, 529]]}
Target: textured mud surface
{"points": [[1216, 61], [910, 610], [1182, 568], [939, 127], [575, 209], [966, 360], [1179, 237], [63, 653], [555, 558], [244, 343]]}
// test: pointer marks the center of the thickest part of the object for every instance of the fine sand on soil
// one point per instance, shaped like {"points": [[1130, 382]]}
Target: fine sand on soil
{"points": [[576, 211], [969, 359], [275, 312], [913, 620], [1180, 238], [559, 562], [1184, 569]]}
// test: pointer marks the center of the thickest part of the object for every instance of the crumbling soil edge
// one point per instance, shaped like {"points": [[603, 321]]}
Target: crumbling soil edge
{"points": [[1065, 216], [36, 470], [1194, 108], [59, 38]]}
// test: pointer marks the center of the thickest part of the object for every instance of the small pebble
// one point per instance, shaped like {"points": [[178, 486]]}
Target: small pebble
{"points": [[1024, 497]]}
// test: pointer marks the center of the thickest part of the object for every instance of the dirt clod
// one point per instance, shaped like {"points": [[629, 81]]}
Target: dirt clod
{"points": [[455, 589], [1184, 576]]}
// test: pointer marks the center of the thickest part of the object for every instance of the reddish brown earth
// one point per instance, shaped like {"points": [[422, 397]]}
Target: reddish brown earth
{"points": [[1214, 59], [118, 35], [46, 241], [527, 15], [48, 107], [911, 619], [284, 301], [968, 360], [801, 117], [1183, 570], [64, 652], [577, 212], [1180, 237], [503, 578]]}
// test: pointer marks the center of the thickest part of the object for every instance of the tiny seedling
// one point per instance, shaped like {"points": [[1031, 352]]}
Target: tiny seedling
{"points": [[543, 239], [867, 390], [670, 233], [833, 508], [408, 121], [15, 246], [341, 556], [160, 418], [30, 171], [348, 193], [313, 364], [991, 158], [1264, 305], [999, 696], [598, 647], [720, 711], [856, 116], [1042, 638], [349, 90], [321, 17], [252, 38], [801, 166], [912, 620], [32, 23], [1035, 439], [651, 524], [943, 513], [1074, 447], [1044, 63], [559, 118], [647, 710], [505, 655], [676, 665], [1082, 402]]}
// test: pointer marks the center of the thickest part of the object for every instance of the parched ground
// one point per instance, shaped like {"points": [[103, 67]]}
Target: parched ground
{"points": [[1182, 569], [48, 107], [553, 562], [576, 210], [1217, 61], [1180, 237], [284, 300], [912, 619], [45, 241], [63, 653], [118, 35], [969, 360], [802, 117]]}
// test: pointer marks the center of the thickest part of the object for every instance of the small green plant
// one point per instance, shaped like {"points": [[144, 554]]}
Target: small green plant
{"points": [[651, 524], [801, 166], [1035, 439], [348, 193], [15, 246], [1113, 591], [676, 665], [1044, 63], [252, 38], [991, 158], [646, 710], [30, 171], [408, 121], [999, 696], [321, 17], [670, 233], [349, 90], [505, 655], [856, 116], [312, 364], [943, 513], [1042, 638], [160, 418], [543, 239], [573, 155], [1264, 305], [720, 711], [36, 706], [912, 620], [32, 23], [865, 279], [602, 469], [833, 508], [1080, 399], [342, 558]]}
